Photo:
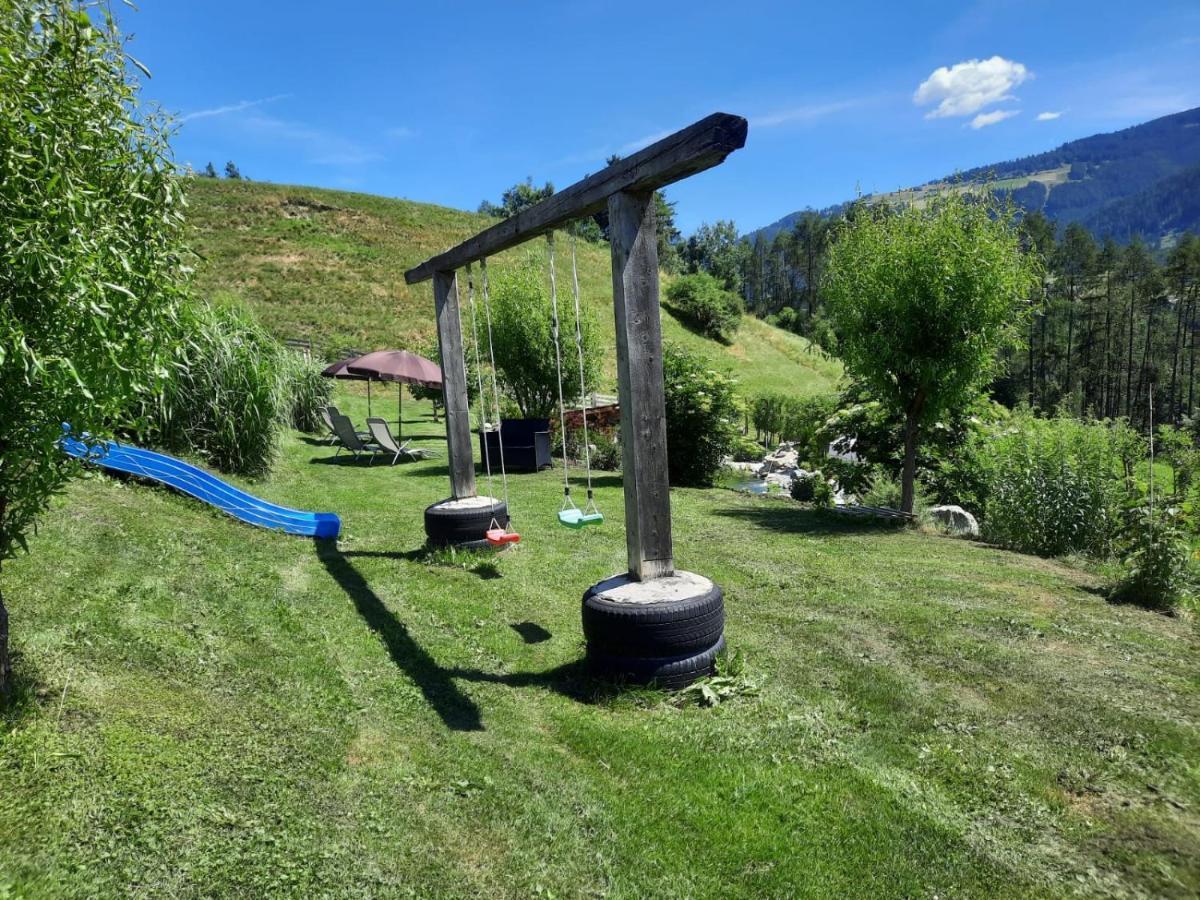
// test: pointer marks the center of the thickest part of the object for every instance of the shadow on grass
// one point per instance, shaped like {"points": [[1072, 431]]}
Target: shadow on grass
{"points": [[25, 692], [454, 707], [531, 632], [791, 519], [346, 459], [458, 711], [471, 561]]}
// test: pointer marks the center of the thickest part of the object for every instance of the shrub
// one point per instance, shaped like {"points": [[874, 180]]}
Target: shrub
{"points": [[702, 415], [606, 450], [1051, 486], [812, 487], [883, 490], [523, 339], [91, 250], [746, 449], [1155, 562], [703, 301]]}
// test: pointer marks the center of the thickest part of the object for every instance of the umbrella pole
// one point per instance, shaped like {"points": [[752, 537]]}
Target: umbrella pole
{"points": [[368, 398], [399, 410]]}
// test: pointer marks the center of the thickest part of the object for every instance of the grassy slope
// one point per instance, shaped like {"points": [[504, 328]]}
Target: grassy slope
{"points": [[215, 710], [329, 266]]}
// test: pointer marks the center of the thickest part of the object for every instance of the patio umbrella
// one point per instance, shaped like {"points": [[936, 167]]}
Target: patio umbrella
{"points": [[399, 366], [339, 370]]}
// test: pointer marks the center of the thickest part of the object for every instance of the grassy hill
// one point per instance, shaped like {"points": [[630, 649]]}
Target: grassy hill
{"points": [[212, 710], [329, 266]]}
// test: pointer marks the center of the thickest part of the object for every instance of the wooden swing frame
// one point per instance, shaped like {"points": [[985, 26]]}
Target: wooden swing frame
{"points": [[627, 189]]}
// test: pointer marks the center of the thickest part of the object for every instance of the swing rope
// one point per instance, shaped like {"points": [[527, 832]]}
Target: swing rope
{"points": [[487, 310], [487, 457], [568, 503], [587, 447]]}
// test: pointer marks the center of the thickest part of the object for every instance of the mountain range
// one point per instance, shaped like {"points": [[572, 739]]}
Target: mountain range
{"points": [[1140, 181]]}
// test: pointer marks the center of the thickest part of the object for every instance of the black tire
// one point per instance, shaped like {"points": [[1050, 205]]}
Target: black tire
{"points": [[675, 628], [445, 526], [668, 673]]}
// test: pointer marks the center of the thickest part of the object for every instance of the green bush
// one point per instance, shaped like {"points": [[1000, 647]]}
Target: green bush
{"points": [[883, 489], [234, 392], [606, 450], [702, 417], [812, 487], [523, 340], [1051, 486], [746, 449], [703, 301], [1155, 561]]}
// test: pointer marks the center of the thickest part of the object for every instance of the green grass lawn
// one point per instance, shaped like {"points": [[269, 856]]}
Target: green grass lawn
{"points": [[328, 266], [208, 709]]}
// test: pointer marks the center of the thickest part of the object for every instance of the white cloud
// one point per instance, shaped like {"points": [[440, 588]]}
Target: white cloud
{"points": [[400, 133], [1048, 116], [231, 108], [983, 120], [808, 113], [967, 87]]}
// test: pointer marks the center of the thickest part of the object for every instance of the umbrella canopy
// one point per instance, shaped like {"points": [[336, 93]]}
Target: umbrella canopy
{"points": [[395, 365], [338, 370]]}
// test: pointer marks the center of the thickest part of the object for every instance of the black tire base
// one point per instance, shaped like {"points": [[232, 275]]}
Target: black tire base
{"points": [[668, 673], [445, 527]]}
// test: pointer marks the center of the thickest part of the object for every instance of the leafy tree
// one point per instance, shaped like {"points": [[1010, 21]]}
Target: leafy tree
{"points": [[523, 341], [232, 171], [209, 171], [701, 300], [520, 196], [91, 275], [717, 250], [921, 300]]}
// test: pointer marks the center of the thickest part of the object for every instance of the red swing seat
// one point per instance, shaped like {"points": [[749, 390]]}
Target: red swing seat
{"points": [[498, 537]]}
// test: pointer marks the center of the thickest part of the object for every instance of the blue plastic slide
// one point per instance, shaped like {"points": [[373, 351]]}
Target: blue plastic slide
{"points": [[187, 478]]}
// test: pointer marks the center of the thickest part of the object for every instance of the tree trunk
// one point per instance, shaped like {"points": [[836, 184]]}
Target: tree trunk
{"points": [[912, 423], [1031, 398], [1192, 357], [1106, 366], [1173, 407], [1129, 362], [1070, 337], [5, 664]]}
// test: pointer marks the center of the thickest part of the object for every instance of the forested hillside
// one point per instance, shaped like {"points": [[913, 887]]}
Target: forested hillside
{"points": [[1141, 181]]}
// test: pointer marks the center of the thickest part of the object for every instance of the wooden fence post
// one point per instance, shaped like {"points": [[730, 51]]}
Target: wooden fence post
{"points": [[634, 243], [454, 386]]}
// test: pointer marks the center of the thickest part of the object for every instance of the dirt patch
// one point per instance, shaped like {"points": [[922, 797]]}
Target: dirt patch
{"points": [[303, 207]]}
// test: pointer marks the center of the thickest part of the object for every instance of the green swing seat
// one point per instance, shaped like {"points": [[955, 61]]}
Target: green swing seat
{"points": [[577, 518]]}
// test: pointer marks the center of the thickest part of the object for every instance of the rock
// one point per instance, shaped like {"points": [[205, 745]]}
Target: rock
{"points": [[751, 467], [955, 519]]}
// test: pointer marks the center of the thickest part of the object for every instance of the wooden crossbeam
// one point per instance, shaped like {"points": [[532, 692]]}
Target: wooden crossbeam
{"points": [[693, 149]]}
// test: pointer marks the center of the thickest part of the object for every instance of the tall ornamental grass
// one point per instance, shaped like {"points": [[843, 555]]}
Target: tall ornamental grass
{"points": [[234, 391]]}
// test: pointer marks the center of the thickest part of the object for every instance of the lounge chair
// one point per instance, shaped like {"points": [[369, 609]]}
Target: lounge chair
{"points": [[381, 436], [327, 413], [334, 412], [351, 440]]}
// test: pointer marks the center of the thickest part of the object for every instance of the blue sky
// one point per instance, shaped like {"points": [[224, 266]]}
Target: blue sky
{"points": [[452, 102]]}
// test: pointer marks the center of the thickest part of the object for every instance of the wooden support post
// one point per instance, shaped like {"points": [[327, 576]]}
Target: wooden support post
{"points": [[634, 242], [454, 386]]}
